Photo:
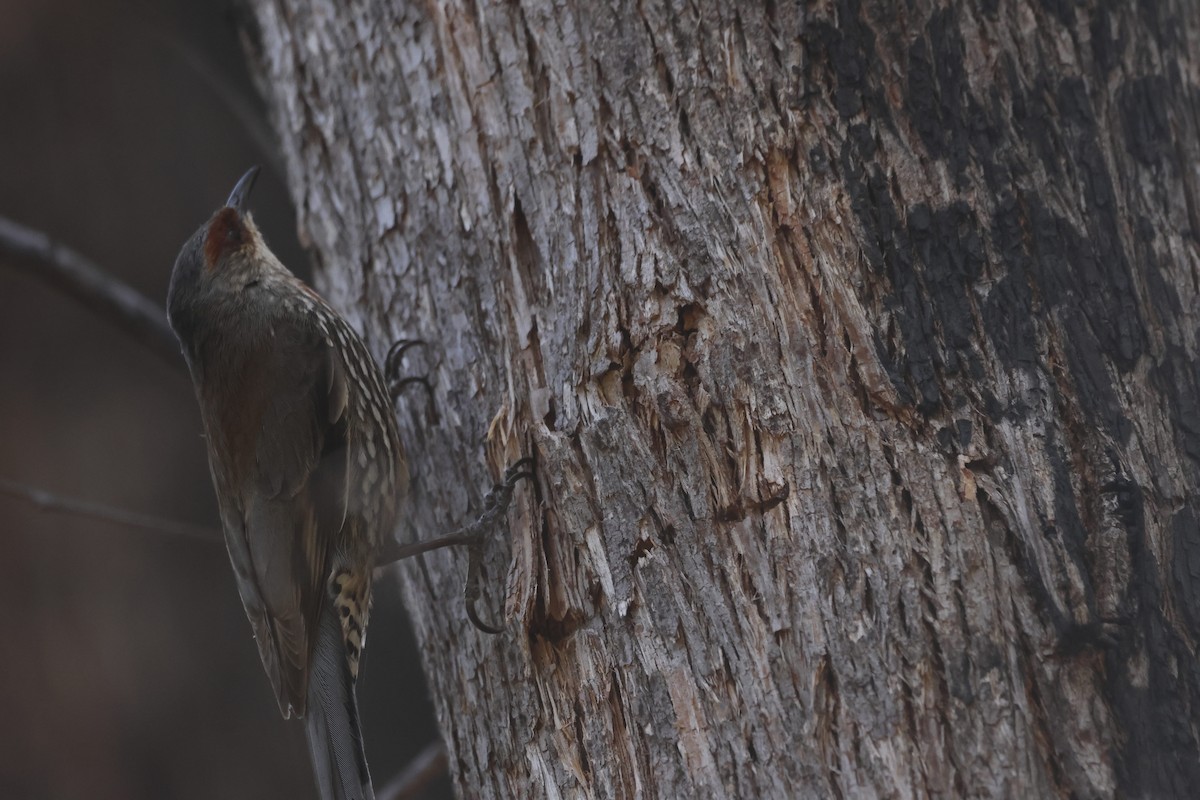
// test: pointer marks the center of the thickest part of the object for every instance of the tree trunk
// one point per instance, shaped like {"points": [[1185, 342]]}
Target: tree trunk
{"points": [[857, 346]]}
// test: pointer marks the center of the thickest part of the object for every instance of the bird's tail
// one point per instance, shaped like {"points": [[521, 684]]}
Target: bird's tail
{"points": [[331, 720]]}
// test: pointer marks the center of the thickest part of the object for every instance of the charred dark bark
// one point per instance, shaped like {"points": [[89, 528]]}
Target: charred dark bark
{"points": [[858, 348]]}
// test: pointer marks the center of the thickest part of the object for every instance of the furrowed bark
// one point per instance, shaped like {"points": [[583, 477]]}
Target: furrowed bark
{"points": [[858, 350]]}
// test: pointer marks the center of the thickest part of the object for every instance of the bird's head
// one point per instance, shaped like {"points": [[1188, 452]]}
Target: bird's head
{"points": [[225, 256]]}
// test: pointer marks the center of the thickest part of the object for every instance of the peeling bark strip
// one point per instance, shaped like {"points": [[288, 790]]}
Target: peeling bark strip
{"points": [[858, 347]]}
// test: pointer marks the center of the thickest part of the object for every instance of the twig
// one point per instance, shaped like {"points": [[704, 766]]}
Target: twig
{"points": [[77, 277], [48, 501], [418, 774]]}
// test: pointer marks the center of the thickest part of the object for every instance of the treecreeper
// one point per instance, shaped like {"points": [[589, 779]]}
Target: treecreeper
{"points": [[308, 469]]}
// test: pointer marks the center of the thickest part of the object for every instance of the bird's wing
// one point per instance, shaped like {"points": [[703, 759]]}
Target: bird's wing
{"points": [[293, 504]]}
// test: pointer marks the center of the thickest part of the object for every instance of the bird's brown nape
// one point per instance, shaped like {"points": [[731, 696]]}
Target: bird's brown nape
{"points": [[226, 232]]}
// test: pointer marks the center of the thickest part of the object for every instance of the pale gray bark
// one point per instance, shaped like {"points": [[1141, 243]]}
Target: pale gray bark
{"points": [[858, 349]]}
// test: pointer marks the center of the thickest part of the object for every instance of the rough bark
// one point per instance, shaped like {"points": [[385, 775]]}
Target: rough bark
{"points": [[857, 345]]}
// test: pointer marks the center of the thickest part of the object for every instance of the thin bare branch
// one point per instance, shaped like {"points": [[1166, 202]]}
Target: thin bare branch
{"points": [[417, 775], [74, 275], [58, 504], [48, 501]]}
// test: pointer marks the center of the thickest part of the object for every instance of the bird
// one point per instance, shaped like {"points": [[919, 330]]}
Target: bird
{"points": [[307, 466]]}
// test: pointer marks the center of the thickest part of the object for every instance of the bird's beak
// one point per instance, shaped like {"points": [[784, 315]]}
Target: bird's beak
{"points": [[241, 191]]}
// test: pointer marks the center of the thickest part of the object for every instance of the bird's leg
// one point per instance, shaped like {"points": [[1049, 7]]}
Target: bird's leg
{"points": [[473, 536], [396, 384]]}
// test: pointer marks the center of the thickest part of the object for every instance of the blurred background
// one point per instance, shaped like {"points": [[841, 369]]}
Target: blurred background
{"points": [[129, 670]]}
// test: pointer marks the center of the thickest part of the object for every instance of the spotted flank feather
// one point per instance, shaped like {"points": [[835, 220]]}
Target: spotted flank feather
{"points": [[351, 595]]}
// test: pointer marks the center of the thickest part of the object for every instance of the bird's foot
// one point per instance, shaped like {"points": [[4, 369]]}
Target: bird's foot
{"points": [[474, 536], [495, 507]]}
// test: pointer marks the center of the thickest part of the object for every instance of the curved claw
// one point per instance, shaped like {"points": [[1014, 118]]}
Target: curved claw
{"points": [[396, 387], [396, 352], [472, 590], [511, 481], [501, 494], [473, 615], [391, 368]]}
